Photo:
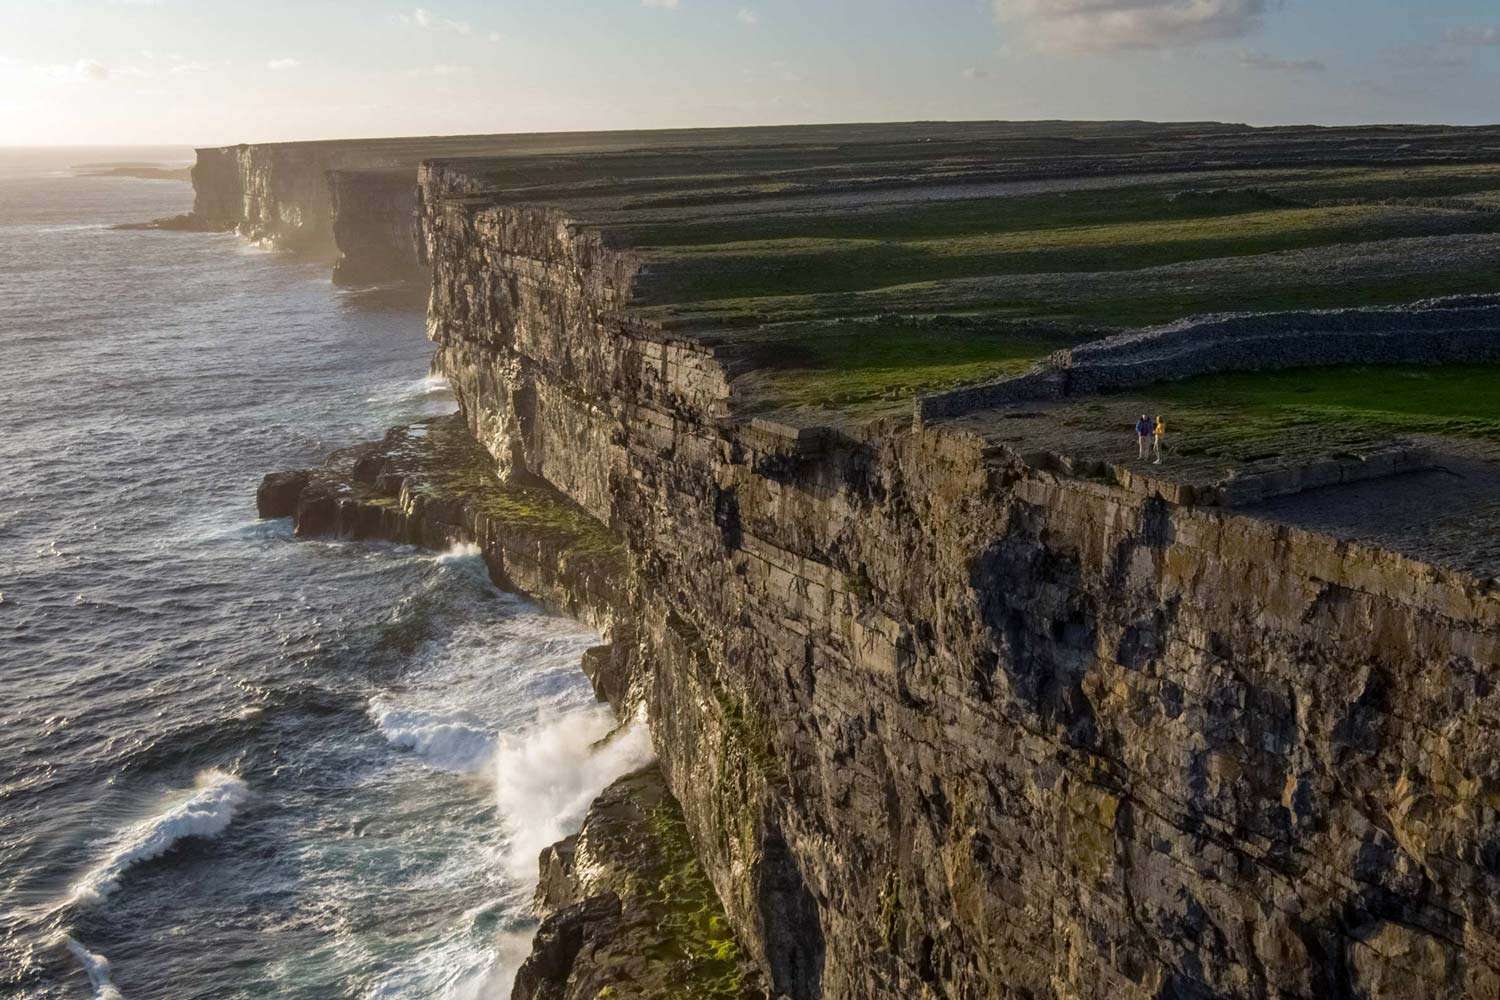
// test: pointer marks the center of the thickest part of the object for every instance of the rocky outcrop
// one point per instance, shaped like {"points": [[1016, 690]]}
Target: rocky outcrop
{"points": [[945, 724], [430, 484], [351, 202], [272, 192], [625, 907], [627, 911]]}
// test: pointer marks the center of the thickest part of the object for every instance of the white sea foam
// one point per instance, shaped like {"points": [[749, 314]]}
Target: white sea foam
{"points": [[458, 552], [96, 966], [431, 396], [451, 741], [206, 812], [546, 778]]}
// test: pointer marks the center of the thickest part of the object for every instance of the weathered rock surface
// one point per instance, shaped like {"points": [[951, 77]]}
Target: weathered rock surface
{"points": [[627, 911], [945, 724], [943, 720]]}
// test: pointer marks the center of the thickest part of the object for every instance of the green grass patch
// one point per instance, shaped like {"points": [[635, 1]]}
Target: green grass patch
{"points": [[1254, 415], [822, 265], [1179, 199], [850, 365], [696, 936], [959, 217], [457, 467], [1231, 296]]}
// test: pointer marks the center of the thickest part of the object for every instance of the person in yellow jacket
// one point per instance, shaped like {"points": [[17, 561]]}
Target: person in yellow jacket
{"points": [[1158, 437]]}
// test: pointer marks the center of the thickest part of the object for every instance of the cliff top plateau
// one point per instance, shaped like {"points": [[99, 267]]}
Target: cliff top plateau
{"points": [[839, 273], [856, 266]]}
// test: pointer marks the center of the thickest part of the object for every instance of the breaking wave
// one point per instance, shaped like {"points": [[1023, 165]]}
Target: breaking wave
{"points": [[96, 966], [453, 741], [546, 778], [204, 813]]}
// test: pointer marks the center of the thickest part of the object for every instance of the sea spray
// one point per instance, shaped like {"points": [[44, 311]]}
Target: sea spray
{"points": [[458, 552], [546, 778], [96, 967], [204, 813]]}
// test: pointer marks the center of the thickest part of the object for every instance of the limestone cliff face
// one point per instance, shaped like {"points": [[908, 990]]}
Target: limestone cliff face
{"points": [[336, 200], [272, 191], [373, 215], [218, 192], [942, 724]]}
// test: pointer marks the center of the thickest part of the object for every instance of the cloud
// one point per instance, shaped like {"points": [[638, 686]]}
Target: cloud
{"points": [[1426, 57], [747, 16], [426, 20], [83, 69], [975, 73], [495, 37], [440, 70], [1473, 34], [660, 4], [1106, 25], [1261, 60], [287, 63]]}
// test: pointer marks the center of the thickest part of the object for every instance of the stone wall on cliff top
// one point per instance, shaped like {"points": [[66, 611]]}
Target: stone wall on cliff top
{"points": [[943, 725], [1458, 330]]}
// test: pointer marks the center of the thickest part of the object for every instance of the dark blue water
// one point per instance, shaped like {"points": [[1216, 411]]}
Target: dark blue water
{"points": [[232, 763]]}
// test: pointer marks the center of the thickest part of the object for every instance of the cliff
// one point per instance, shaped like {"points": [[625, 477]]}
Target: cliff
{"points": [[325, 199], [947, 712], [353, 200], [943, 722]]}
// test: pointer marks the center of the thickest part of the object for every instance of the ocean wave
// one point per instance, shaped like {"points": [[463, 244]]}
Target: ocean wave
{"points": [[546, 778], [96, 967], [204, 813], [450, 741]]}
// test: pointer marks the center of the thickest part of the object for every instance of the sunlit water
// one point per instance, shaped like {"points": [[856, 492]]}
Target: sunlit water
{"points": [[235, 764]]}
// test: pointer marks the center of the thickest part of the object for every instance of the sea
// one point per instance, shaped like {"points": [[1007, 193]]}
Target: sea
{"points": [[235, 763]]}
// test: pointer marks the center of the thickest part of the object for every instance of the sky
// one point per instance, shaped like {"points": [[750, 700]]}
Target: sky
{"points": [[205, 72]]}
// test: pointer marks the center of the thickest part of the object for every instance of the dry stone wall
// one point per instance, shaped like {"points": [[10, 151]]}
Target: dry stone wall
{"points": [[1439, 331], [945, 725]]}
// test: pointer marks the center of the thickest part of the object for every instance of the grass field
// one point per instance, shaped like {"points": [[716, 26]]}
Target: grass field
{"points": [[1238, 415], [874, 302], [853, 367], [1117, 229]]}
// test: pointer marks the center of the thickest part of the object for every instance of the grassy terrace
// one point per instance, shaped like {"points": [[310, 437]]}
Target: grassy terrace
{"points": [[862, 265], [865, 367], [1236, 416], [870, 307], [1082, 231]]}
